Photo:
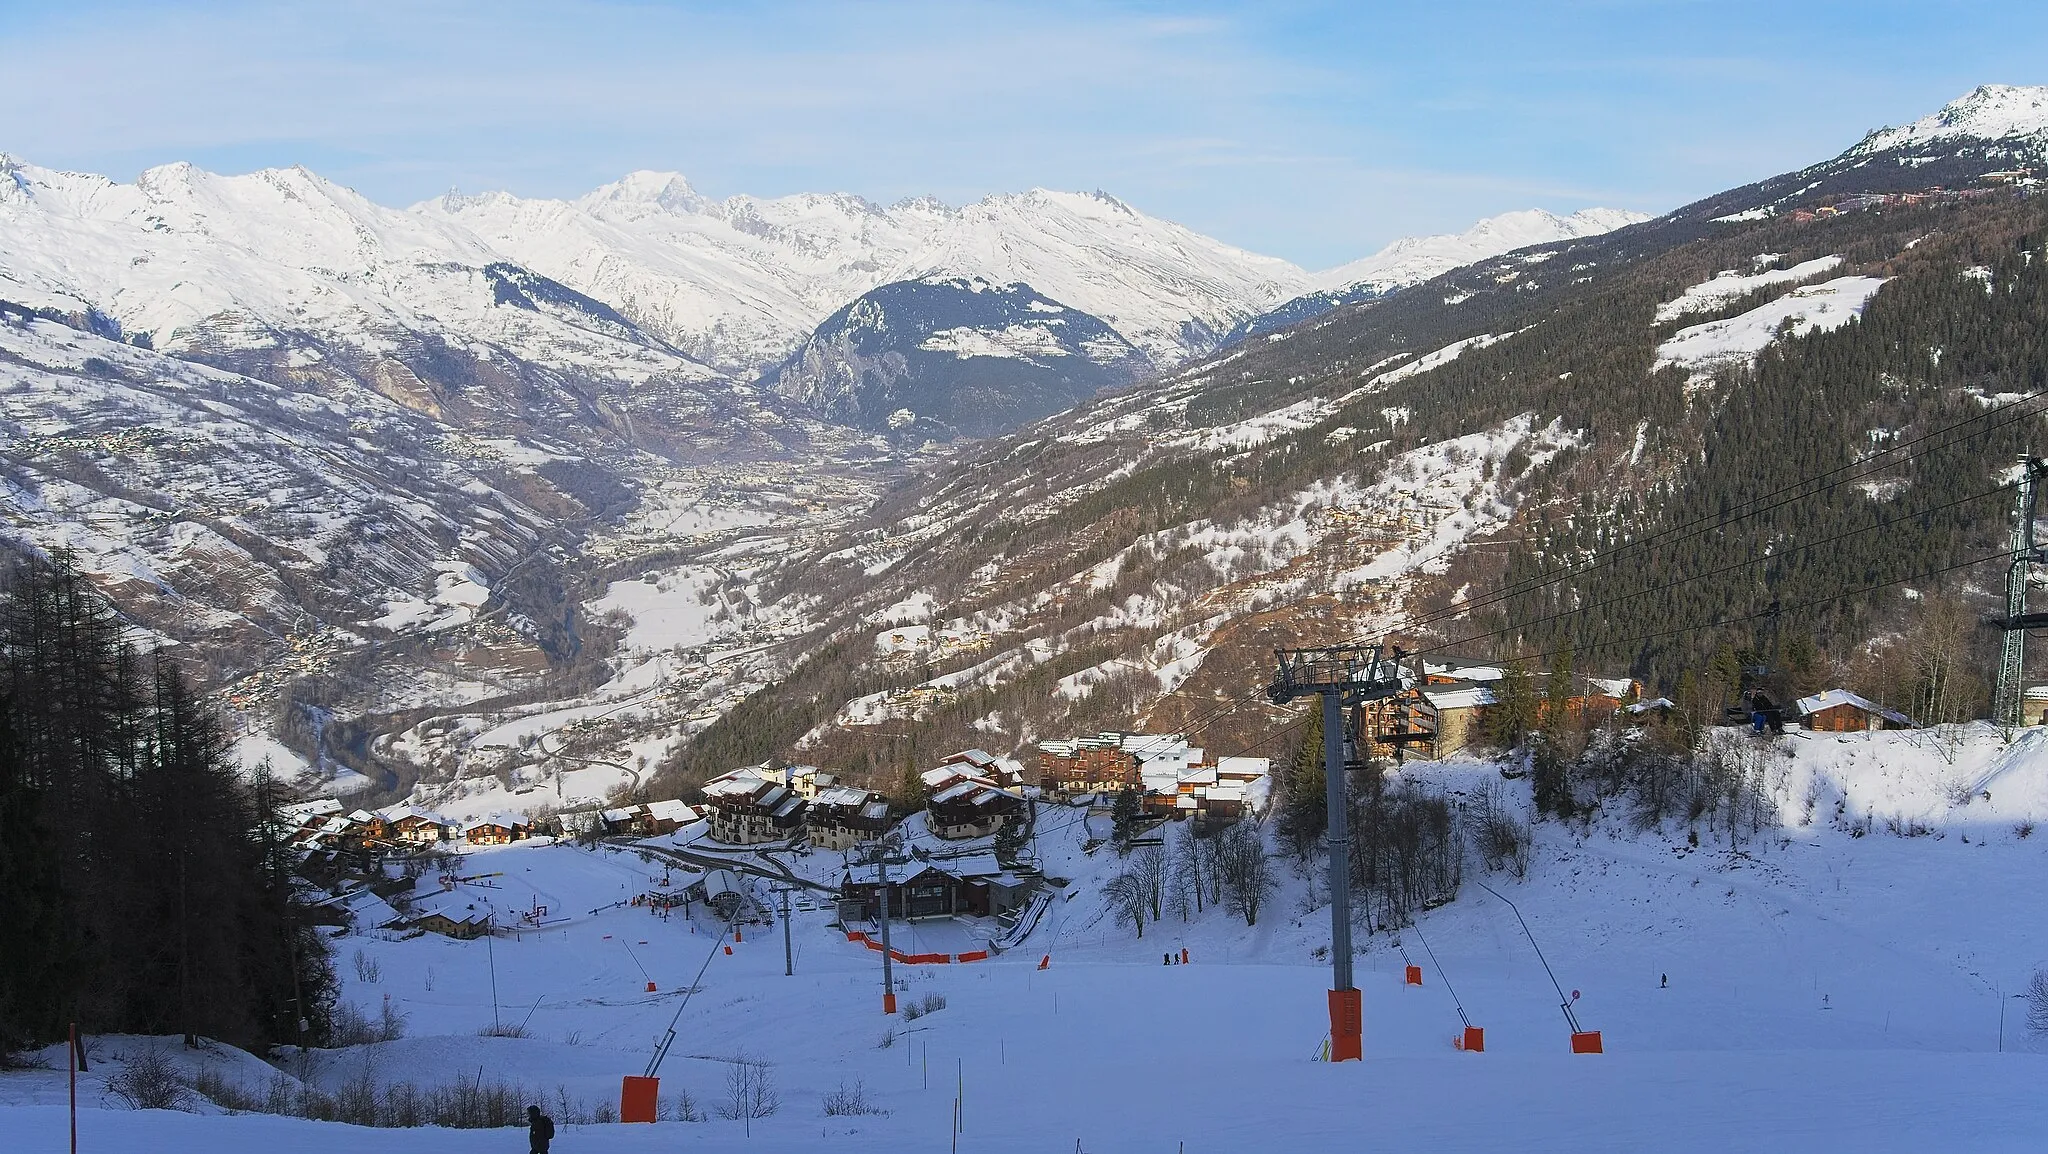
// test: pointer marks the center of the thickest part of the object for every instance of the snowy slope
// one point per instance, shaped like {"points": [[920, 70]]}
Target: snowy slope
{"points": [[2002, 112], [1412, 260], [1819, 307], [973, 356], [740, 281], [197, 262], [1828, 985]]}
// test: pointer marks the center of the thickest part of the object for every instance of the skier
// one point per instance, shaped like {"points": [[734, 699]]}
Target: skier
{"points": [[540, 1130], [1663, 981]]}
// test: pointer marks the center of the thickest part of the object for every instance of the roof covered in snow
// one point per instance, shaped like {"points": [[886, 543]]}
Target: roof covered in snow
{"points": [[1831, 698]]}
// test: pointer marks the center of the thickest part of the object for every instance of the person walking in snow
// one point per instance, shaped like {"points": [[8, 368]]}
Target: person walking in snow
{"points": [[540, 1130]]}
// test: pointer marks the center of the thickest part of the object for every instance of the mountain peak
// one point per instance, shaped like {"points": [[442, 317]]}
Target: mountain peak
{"points": [[1417, 258], [1988, 112], [667, 190]]}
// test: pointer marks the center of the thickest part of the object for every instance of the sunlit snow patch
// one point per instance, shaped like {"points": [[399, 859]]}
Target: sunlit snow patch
{"points": [[1729, 286], [1816, 308]]}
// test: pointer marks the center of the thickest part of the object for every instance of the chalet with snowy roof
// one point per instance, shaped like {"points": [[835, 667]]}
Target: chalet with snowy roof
{"points": [[1840, 711], [1447, 711], [843, 817], [1001, 770], [751, 806], [1183, 783], [963, 804], [414, 826], [650, 819], [972, 884], [452, 916], [497, 829], [806, 781]]}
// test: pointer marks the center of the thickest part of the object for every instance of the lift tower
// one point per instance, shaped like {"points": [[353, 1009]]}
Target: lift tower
{"points": [[2007, 708], [1343, 676]]}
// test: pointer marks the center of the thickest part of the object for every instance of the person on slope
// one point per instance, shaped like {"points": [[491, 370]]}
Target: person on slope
{"points": [[540, 1130]]}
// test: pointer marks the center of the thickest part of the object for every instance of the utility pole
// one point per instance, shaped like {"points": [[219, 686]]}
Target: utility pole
{"points": [[788, 959], [2008, 703], [1345, 675]]}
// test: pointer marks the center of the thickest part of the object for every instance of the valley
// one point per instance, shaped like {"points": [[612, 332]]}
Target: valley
{"points": [[723, 603]]}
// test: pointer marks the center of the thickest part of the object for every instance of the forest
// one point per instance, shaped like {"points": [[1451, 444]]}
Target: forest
{"points": [[145, 882]]}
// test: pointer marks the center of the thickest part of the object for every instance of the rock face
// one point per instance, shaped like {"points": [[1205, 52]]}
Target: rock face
{"points": [[954, 354]]}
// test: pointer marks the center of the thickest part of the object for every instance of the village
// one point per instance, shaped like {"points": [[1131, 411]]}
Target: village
{"points": [[966, 850]]}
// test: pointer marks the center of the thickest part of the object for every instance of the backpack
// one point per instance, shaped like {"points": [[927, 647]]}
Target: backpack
{"points": [[545, 1127]]}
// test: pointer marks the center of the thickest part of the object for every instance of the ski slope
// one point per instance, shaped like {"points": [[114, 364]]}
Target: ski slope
{"points": [[1827, 990]]}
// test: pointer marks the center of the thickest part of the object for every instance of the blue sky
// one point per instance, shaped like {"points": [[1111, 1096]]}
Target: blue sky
{"points": [[1316, 132]]}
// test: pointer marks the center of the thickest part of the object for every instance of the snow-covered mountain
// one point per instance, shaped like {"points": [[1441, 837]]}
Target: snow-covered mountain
{"points": [[192, 261], [1992, 112], [740, 282], [1415, 259], [966, 354]]}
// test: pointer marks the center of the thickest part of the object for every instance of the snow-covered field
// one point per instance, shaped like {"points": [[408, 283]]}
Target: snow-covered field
{"points": [[1828, 989]]}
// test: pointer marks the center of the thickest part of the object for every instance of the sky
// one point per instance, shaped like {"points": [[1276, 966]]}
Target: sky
{"points": [[1311, 131]]}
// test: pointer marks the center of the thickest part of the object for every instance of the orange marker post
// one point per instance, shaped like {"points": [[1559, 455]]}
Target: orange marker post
{"points": [[1347, 1027]]}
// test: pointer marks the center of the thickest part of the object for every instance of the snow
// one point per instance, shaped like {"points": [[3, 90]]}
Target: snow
{"points": [[1760, 213], [1025, 342], [253, 750], [1412, 260], [1731, 285], [1990, 112], [1828, 989], [680, 608], [192, 258], [1821, 307], [1437, 359], [741, 281]]}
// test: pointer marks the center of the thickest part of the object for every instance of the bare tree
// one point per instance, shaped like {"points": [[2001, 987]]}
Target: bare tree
{"points": [[1243, 870], [1149, 866], [1503, 837], [1126, 893], [1185, 866], [2037, 1002], [750, 1091]]}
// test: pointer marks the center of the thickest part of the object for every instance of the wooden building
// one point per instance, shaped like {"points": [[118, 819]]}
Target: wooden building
{"points": [[972, 884], [961, 804], [454, 918], [1097, 764], [1840, 711], [417, 826], [497, 829]]}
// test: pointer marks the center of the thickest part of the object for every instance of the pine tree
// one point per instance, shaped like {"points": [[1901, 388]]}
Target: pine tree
{"points": [[1514, 709], [1306, 810]]}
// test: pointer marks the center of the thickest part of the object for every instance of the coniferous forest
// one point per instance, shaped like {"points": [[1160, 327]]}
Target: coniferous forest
{"points": [[144, 883]]}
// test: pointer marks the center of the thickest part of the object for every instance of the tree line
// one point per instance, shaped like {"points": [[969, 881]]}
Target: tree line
{"points": [[146, 885]]}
